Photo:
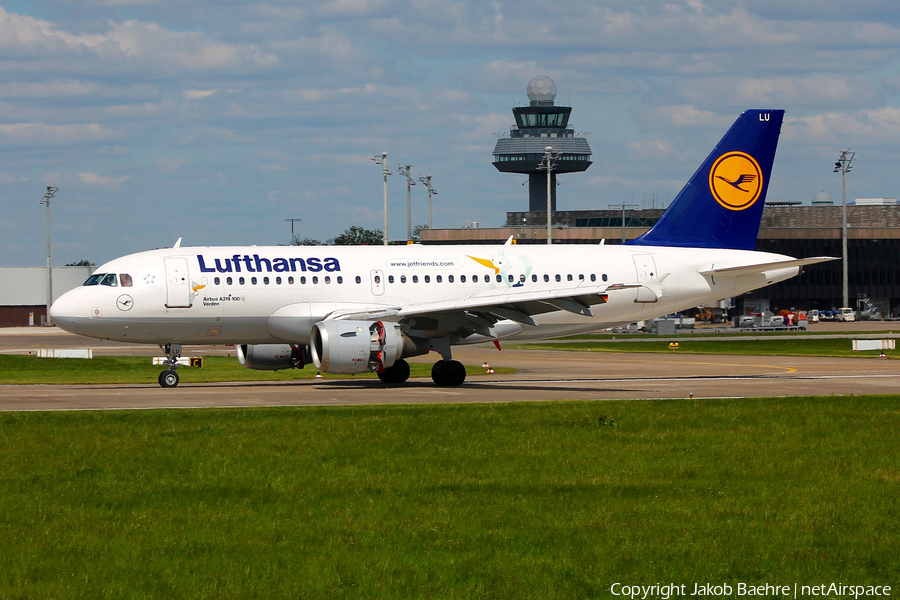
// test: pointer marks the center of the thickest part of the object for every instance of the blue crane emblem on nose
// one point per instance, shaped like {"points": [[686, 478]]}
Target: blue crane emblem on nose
{"points": [[124, 302]]}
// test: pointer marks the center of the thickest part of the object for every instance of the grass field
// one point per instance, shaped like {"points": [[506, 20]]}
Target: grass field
{"points": [[764, 347], [139, 369], [448, 501]]}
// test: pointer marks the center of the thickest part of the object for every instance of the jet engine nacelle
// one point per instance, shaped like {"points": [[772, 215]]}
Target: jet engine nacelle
{"points": [[355, 346], [270, 357]]}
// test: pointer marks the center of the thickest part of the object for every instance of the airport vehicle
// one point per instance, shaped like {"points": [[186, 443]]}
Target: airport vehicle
{"points": [[813, 316], [360, 309], [845, 314]]}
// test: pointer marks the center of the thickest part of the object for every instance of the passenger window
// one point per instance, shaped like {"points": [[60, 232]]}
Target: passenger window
{"points": [[278, 281], [428, 279], [534, 278], [546, 278], [94, 279], [438, 279], [415, 279], [327, 279], [125, 280], [450, 278], [241, 280], [340, 279], [604, 277], [229, 281], [217, 281], [403, 279], [569, 277], [462, 278], [303, 280], [290, 281], [580, 277], [315, 279], [390, 279], [110, 279], [358, 279], [558, 278], [510, 277], [499, 278], [253, 280], [266, 280], [593, 277], [475, 278]]}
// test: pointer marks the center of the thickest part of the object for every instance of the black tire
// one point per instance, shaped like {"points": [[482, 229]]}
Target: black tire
{"points": [[397, 373], [168, 379], [435, 369], [449, 373]]}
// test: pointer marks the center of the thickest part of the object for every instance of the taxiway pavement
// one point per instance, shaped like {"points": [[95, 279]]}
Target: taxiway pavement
{"points": [[543, 375]]}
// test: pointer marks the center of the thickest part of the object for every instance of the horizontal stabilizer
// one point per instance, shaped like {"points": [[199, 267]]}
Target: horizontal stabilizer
{"points": [[761, 267]]}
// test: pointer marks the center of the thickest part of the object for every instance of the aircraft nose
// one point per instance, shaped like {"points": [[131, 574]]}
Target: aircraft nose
{"points": [[64, 312]]}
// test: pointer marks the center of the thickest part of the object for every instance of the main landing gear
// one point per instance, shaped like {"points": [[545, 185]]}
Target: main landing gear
{"points": [[169, 378], [448, 373], [396, 373], [445, 373]]}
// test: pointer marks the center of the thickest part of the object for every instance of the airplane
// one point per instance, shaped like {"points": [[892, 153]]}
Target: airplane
{"points": [[368, 308]]}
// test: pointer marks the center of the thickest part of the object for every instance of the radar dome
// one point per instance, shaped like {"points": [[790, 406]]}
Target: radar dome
{"points": [[542, 89], [822, 198]]}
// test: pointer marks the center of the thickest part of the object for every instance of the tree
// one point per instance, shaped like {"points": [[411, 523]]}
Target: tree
{"points": [[417, 231], [359, 236], [81, 263], [296, 241]]}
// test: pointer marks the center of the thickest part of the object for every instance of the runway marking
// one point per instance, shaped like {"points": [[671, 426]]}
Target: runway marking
{"points": [[693, 378]]}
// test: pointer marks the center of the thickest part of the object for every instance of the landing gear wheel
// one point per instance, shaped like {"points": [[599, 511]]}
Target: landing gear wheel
{"points": [[448, 373], [168, 379], [435, 369], [397, 373]]}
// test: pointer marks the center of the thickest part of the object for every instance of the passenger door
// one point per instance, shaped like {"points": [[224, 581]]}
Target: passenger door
{"points": [[178, 283]]}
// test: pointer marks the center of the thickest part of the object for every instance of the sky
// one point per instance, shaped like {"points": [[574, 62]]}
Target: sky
{"points": [[216, 121]]}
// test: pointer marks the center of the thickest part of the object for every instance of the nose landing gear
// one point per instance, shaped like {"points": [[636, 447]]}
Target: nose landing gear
{"points": [[169, 378]]}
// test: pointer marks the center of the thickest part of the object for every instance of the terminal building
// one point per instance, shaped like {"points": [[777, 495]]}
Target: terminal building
{"points": [[873, 247], [23, 292]]}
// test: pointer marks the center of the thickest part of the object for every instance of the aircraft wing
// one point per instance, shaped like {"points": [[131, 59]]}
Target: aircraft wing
{"points": [[476, 314], [761, 267]]}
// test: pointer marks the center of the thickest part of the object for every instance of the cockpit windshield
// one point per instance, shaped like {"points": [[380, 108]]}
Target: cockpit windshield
{"points": [[110, 279]]}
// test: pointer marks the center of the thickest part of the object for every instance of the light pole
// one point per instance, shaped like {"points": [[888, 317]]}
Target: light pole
{"points": [[635, 206], [548, 162], [409, 183], [51, 191], [292, 221], [843, 165], [382, 160], [426, 181]]}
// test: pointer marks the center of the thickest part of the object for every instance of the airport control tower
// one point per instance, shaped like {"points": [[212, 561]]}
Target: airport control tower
{"points": [[539, 125]]}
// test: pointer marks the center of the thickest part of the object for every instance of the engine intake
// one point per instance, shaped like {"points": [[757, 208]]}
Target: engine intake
{"points": [[351, 347], [270, 357]]}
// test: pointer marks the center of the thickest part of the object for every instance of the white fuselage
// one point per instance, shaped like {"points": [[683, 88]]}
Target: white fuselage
{"points": [[274, 294]]}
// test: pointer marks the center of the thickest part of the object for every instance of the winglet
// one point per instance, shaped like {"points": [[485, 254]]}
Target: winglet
{"points": [[177, 243]]}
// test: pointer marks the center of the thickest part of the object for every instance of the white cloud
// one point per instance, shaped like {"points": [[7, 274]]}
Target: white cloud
{"points": [[197, 94], [102, 180], [33, 134]]}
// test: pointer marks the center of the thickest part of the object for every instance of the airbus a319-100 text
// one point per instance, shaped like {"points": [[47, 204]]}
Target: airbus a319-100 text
{"points": [[361, 309]]}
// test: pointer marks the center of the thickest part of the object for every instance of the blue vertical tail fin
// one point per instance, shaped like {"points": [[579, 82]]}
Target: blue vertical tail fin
{"points": [[721, 205]]}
